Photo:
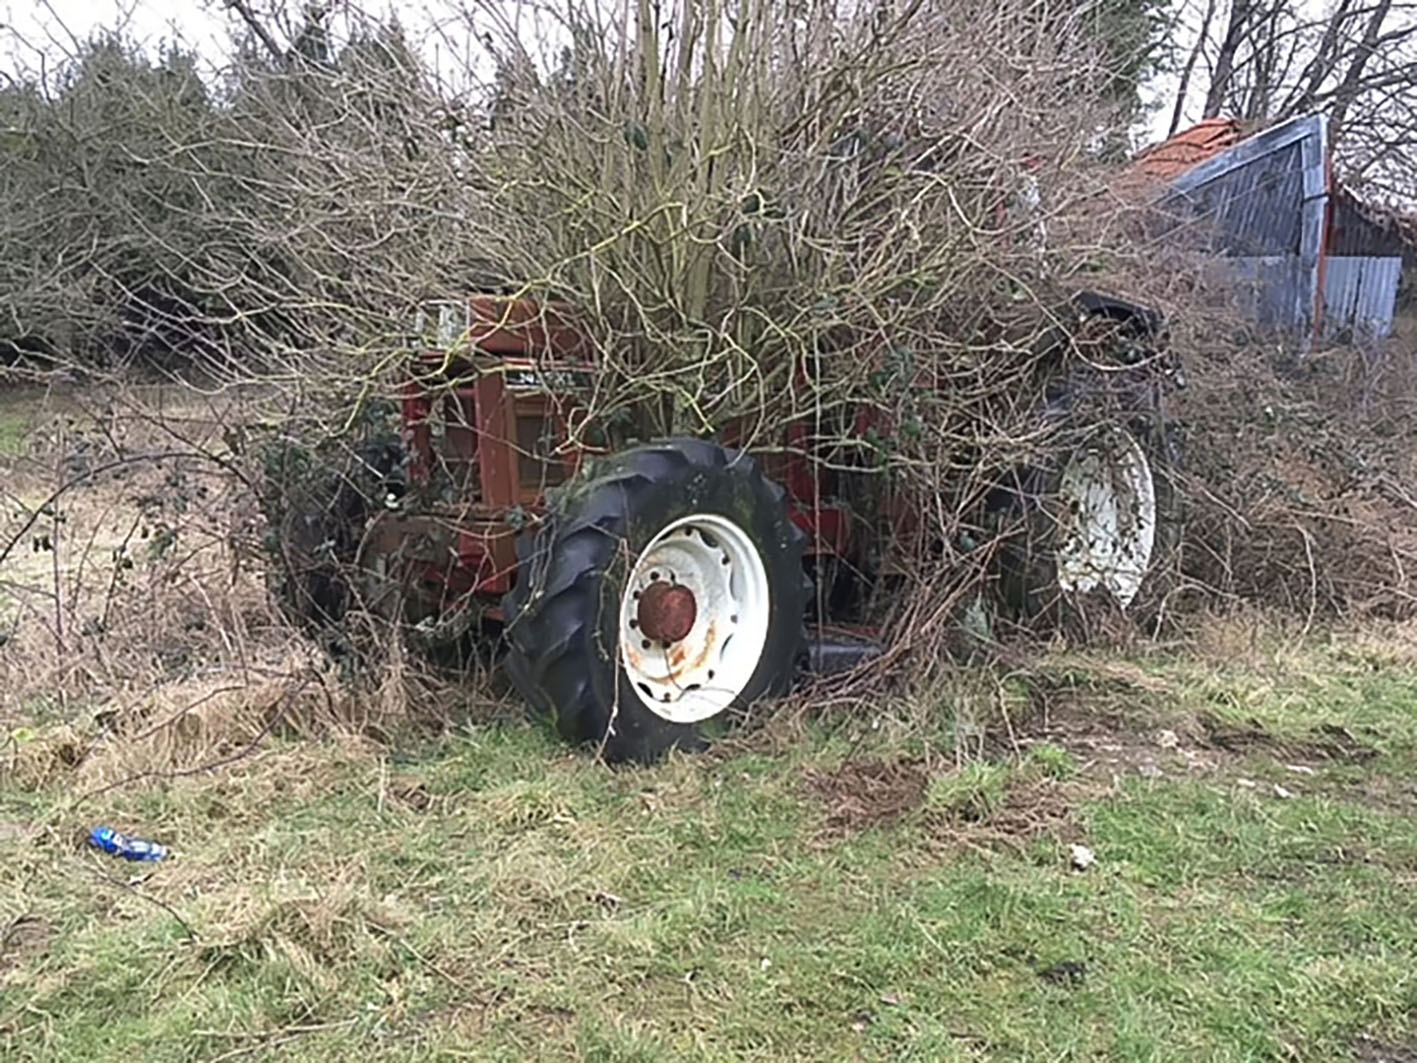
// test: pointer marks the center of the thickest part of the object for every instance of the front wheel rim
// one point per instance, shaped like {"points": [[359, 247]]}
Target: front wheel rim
{"points": [[1109, 517], [694, 618]]}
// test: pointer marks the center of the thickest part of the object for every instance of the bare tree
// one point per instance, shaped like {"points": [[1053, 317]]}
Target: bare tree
{"points": [[1268, 60], [1188, 70], [1376, 34]]}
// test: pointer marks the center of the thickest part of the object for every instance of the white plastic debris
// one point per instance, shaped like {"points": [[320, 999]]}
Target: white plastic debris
{"points": [[1168, 740], [1149, 769], [1082, 857], [1280, 791]]}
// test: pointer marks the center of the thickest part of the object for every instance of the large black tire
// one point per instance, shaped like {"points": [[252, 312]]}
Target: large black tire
{"points": [[1080, 401], [563, 615]]}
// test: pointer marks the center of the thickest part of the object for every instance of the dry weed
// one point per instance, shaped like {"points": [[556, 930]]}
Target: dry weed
{"points": [[1298, 481], [139, 641]]}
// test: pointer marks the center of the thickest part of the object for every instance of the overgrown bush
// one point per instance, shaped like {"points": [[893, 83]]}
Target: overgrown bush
{"points": [[1299, 474], [762, 213], [152, 216], [759, 214]]}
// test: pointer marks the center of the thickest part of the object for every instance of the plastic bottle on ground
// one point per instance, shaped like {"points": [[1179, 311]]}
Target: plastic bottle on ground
{"points": [[115, 844]]}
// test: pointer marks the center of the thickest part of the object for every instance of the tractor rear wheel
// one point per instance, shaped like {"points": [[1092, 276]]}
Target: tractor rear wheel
{"points": [[663, 593]]}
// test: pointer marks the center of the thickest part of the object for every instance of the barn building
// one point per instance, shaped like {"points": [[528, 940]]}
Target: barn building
{"points": [[1318, 261]]}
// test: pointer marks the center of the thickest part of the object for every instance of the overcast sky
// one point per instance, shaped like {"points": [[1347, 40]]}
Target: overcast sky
{"points": [[36, 27], [56, 22], [52, 26]]}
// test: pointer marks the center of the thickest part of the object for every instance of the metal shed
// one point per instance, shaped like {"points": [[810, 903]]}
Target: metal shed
{"points": [[1315, 262]]}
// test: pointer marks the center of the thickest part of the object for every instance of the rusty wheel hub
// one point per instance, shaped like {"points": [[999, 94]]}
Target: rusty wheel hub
{"points": [[667, 611]]}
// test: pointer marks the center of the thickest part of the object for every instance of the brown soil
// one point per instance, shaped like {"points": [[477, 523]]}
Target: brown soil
{"points": [[24, 938], [868, 793], [1326, 742], [859, 795], [1044, 808], [1112, 744], [1371, 1050]]}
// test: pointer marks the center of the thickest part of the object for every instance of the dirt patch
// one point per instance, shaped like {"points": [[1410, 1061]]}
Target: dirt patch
{"points": [[862, 794], [22, 939], [1387, 793], [1024, 811], [412, 794], [1109, 745], [1113, 755], [1325, 742], [1068, 973], [1367, 1049], [867, 793], [1119, 737], [1031, 809]]}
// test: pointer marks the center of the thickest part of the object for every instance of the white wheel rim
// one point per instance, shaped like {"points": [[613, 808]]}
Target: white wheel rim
{"points": [[696, 676], [1108, 519]]}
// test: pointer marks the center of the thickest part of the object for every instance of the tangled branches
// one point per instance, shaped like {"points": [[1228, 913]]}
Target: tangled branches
{"points": [[868, 224]]}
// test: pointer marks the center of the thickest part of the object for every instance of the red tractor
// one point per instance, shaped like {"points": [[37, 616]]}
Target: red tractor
{"points": [[646, 594]]}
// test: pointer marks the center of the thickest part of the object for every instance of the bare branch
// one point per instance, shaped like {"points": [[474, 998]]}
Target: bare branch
{"points": [[256, 26]]}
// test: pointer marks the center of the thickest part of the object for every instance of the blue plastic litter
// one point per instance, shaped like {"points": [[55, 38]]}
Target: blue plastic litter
{"points": [[115, 844]]}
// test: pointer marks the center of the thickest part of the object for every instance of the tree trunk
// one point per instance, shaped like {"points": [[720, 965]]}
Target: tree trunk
{"points": [[1352, 82], [1321, 66], [1235, 31], [1189, 69]]}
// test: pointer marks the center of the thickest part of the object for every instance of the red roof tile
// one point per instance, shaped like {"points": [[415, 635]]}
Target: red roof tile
{"points": [[1188, 148]]}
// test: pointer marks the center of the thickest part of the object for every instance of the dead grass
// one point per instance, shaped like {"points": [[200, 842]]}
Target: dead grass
{"points": [[137, 639]]}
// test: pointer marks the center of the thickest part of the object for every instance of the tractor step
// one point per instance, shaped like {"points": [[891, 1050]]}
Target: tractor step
{"points": [[832, 651]]}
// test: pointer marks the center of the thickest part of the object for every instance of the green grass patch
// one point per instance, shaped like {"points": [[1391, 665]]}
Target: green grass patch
{"points": [[494, 896], [16, 419]]}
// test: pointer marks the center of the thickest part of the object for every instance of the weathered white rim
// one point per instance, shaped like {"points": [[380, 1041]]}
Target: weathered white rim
{"points": [[699, 675], [1108, 517]]}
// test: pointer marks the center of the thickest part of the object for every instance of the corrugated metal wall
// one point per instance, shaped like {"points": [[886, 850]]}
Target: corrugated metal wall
{"points": [[1359, 296], [1255, 207], [1355, 229], [1269, 287]]}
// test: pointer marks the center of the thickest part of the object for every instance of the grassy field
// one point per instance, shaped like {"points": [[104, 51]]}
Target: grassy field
{"points": [[853, 888], [15, 421]]}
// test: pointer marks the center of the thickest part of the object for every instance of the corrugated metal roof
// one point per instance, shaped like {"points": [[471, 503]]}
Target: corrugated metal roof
{"points": [[1254, 206]]}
